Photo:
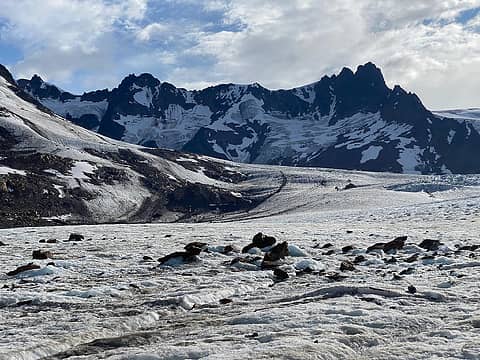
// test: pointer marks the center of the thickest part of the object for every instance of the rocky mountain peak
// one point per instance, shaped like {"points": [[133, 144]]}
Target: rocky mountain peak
{"points": [[352, 120], [6, 75]]}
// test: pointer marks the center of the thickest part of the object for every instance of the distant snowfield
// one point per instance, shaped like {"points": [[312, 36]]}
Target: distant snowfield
{"points": [[100, 300]]}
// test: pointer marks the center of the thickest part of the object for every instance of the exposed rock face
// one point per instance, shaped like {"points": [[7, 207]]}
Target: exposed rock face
{"points": [[351, 120]]}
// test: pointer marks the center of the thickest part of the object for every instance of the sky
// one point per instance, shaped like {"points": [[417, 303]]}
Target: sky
{"points": [[430, 47]]}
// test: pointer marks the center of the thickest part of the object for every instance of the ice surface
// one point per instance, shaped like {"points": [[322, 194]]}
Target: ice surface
{"points": [[100, 299]]}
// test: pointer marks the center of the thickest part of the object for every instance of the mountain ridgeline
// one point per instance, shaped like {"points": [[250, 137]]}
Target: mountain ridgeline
{"points": [[352, 120]]}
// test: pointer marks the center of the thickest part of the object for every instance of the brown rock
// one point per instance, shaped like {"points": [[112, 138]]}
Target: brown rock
{"points": [[20, 269], [347, 266], [42, 254], [279, 251]]}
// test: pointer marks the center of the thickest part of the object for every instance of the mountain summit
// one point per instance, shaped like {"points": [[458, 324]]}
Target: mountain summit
{"points": [[352, 120]]}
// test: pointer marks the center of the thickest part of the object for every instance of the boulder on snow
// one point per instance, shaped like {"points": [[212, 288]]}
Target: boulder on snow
{"points": [[349, 186], [278, 252], [75, 237], [2, 243], [42, 254], [396, 244], [469, 247], [347, 266], [359, 259], [347, 249], [178, 258], [20, 269], [227, 249], [280, 275], [430, 245], [374, 247], [195, 247], [260, 241]]}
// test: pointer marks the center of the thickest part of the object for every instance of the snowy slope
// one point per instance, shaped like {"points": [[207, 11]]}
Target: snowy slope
{"points": [[470, 116], [351, 120], [54, 171]]}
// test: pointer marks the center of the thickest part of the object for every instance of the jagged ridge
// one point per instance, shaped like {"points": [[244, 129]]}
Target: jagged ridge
{"points": [[351, 120]]}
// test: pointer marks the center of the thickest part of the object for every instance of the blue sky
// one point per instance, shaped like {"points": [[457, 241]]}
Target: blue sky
{"points": [[430, 47]]}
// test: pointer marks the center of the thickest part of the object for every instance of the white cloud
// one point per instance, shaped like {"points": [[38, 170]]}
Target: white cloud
{"points": [[292, 42], [152, 31], [61, 37], [279, 43]]}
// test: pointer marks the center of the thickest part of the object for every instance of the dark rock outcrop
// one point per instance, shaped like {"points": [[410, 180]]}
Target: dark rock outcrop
{"points": [[430, 245]]}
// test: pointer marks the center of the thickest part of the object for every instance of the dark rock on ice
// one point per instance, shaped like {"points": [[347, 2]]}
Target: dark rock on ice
{"points": [[329, 252], [412, 289], [228, 249], [374, 247], [349, 186], [347, 266], [178, 257], [407, 271], [391, 260], [359, 259], [225, 301], [430, 245], [260, 241], [412, 258], [20, 269], [336, 276], [42, 254], [278, 252], [280, 275], [195, 248], [147, 258], [75, 237], [396, 244], [2, 243], [469, 247], [347, 248]]}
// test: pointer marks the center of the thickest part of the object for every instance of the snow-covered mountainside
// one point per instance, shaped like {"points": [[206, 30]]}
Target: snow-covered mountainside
{"points": [[349, 121], [469, 116], [52, 171]]}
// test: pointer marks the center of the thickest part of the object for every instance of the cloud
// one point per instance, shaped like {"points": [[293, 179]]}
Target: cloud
{"points": [[288, 43], [60, 38], [152, 31], [428, 46]]}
